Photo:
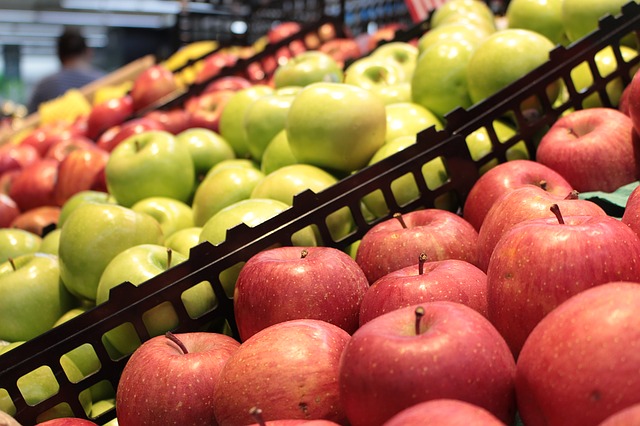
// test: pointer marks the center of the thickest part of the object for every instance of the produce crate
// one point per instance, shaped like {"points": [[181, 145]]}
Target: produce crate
{"points": [[128, 304]]}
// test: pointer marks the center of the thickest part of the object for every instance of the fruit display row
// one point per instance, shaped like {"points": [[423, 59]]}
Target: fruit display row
{"points": [[328, 166]]}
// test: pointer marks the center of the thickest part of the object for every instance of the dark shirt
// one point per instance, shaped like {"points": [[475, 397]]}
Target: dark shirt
{"points": [[57, 84]]}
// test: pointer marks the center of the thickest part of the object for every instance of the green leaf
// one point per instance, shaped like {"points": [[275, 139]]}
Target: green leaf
{"points": [[613, 203]]}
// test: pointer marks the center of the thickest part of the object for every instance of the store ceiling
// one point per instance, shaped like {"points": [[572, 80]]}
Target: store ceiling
{"points": [[36, 23]]}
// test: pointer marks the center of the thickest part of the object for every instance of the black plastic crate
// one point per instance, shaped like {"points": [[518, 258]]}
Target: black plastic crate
{"points": [[206, 262]]}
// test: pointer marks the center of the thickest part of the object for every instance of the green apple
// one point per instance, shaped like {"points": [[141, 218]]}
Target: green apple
{"points": [[93, 235], [394, 93], [51, 242], [41, 384], [373, 73], [101, 407], [479, 144], [606, 63], [207, 148], [470, 19], [336, 126], [277, 154], [284, 183], [70, 314], [440, 81], [80, 198], [251, 212], [139, 264], [504, 57], [264, 119], [308, 67], [405, 188], [541, 16], [461, 8], [184, 240], [455, 31], [150, 164], [408, 119], [171, 214], [15, 242], [403, 53], [580, 17], [232, 118], [32, 296], [221, 189], [236, 162]]}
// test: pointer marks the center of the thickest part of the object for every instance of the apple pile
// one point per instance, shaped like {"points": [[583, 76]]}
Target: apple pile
{"points": [[431, 312]]}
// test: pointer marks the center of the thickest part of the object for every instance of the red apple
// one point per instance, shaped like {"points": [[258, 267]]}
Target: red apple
{"points": [[386, 32], [36, 219], [633, 101], [17, 156], [584, 143], [287, 283], [392, 244], [205, 110], [59, 150], [173, 121], [257, 415], [114, 135], [171, 379], [423, 352], [282, 30], [524, 203], [579, 365], [341, 49], [505, 177], [47, 134], [623, 105], [213, 63], [8, 210], [108, 114], [33, 186], [68, 421], [540, 263], [631, 215], [230, 82], [625, 417], [444, 412], [451, 279], [289, 370], [6, 180], [81, 170], [151, 85]]}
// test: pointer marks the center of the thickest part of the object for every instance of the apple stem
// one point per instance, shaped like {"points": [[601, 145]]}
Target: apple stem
{"points": [[543, 184], [419, 314], [400, 219], [169, 335], [256, 413], [556, 211], [304, 253], [573, 195], [12, 263], [421, 260], [169, 257], [136, 144]]}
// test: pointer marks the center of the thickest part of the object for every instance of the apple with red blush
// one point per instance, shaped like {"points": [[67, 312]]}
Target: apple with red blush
{"points": [[584, 143], [107, 114], [205, 110], [17, 156], [631, 215], [116, 134], [229, 82], [213, 63], [521, 204], [81, 170], [37, 219], [174, 121], [46, 135], [393, 243], [450, 279], [8, 210], [151, 85], [67, 421], [505, 177], [444, 412], [33, 186], [59, 150]]}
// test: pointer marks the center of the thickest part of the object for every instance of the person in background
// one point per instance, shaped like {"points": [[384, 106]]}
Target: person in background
{"points": [[76, 69]]}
